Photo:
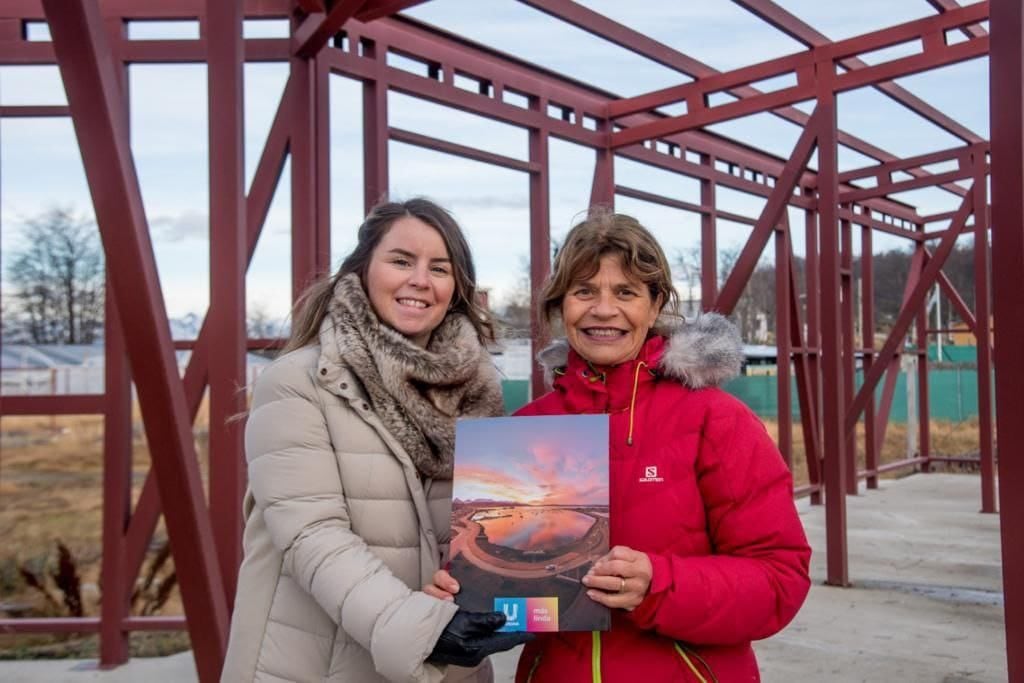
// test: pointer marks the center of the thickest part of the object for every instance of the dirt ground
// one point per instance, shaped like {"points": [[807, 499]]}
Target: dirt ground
{"points": [[51, 491]]}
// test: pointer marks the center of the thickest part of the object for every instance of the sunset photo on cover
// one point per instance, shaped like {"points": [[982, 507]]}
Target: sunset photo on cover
{"points": [[530, 517]]}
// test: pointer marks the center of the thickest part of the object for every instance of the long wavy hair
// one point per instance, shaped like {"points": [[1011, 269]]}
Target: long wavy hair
{"points": [[312, 306]]}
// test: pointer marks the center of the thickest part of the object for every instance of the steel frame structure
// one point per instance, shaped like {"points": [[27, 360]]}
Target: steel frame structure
{"points": [[354, 38]]}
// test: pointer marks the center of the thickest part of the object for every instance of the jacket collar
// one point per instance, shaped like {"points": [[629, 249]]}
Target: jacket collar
{"points": [[704, 352]]}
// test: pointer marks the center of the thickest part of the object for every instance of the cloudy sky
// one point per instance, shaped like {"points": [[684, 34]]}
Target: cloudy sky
{"points": [[549, 460], [40, 166]]}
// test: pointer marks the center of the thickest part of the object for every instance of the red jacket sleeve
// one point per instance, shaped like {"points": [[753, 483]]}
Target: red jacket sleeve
{"points": [[757, 577]]}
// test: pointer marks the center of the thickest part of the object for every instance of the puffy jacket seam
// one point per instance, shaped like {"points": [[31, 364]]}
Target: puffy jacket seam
{"points": [[285, 624], [312, 496]]}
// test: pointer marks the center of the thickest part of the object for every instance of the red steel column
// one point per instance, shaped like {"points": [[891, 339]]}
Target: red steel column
{"points": [[924, 432], [375, 130], [117, 490], [867, 324], [708, 239], [1007, 116], [602, 189], [94, 98], [228, 250], [116, 575], [833, 391], [812, 340], [783, 346], [849, 358], [322, 147], [303, 169], [982, 335], [540, 240]]}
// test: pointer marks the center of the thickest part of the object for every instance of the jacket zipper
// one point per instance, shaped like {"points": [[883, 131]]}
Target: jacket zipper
{"points": [[683, 652], [595, 656], [533, 667]]}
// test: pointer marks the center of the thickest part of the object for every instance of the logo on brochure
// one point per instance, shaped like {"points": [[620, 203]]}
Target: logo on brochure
{"points": [[651, 475], [528, 614]]}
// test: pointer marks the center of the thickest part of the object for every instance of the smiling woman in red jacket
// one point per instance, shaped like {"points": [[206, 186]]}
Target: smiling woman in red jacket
{"points": [[709, 553]]}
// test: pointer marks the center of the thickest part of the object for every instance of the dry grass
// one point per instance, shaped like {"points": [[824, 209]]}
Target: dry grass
{"points": [[51, 486], [947, 438]]}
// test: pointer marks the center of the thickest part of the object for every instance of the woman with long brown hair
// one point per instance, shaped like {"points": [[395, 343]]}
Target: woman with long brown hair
{"points": [[349, 444]]}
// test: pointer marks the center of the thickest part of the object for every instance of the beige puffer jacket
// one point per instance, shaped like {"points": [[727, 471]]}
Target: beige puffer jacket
{"points": [[340, 535]]}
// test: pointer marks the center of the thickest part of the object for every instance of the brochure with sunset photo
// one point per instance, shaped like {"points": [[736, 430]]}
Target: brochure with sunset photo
{"points": [[530, 517]]}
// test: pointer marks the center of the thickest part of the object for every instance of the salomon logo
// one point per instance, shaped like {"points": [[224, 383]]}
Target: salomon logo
{"points": [[651, 475]]}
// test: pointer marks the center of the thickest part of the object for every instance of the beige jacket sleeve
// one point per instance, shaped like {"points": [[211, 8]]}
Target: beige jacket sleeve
{"points": [[295, 482]]}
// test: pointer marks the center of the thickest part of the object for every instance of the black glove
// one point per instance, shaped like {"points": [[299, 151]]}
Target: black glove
{"points": [[470, 636]]}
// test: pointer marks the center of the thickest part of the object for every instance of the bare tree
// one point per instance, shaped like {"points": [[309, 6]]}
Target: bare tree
{"points": [[689, 262], [57, 278], [260, 324], [513, 316]]}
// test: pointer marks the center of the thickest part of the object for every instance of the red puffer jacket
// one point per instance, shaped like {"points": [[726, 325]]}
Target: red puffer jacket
{"points": [[698, 485]]}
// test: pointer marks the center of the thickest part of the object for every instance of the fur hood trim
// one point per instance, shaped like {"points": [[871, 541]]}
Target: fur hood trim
{"points": [[704, 352]]}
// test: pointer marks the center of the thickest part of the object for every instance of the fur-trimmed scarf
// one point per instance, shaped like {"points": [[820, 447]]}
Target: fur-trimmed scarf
{"points": [[417, 393]]}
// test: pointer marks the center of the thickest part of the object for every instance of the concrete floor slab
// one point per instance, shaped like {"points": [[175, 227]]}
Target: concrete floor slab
{"points": [[926, 605]]}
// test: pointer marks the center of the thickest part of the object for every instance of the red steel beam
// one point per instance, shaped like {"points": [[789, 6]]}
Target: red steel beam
{"points": [[892, 369], [904, 185], [872, 222], [117, 489], [602, 187], [261, 193], [783, 344], [909, 311], [935, 53], [833, 394], [796, 28], [708, 237], [805, 395], [506, 73], [93, 92], [118, 584], [703, 209], [540, 241], [227, 284], [25, 111], [638, 43], [883, 171], [316, 30], [375, 128], [812, 279], [1006, 111], [310, 6], [975, 31], [983, 337], [376, 9], [495, 68], [769, 219], [951, 292], [63, 404], [445, 147], [923, 402], [867, 327], [303, 172], [846, 328]]}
